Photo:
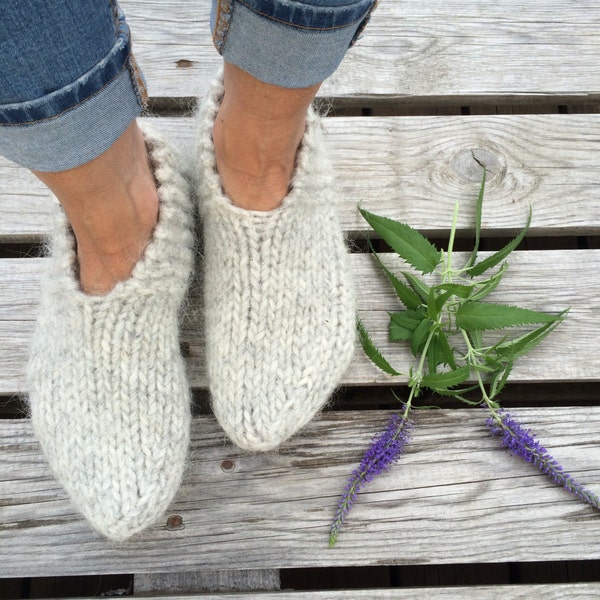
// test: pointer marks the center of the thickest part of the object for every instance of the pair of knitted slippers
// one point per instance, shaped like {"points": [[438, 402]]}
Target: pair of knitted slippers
{"points": [[109, 397]]}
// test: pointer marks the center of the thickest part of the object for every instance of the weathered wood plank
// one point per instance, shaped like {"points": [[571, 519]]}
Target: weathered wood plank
{"points": [[24, 204], [541, 280], [567, 591], [455, 497], [207, 581], [469, 48], [415, 169]]}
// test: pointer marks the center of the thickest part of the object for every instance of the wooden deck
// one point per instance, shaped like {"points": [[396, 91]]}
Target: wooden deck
{"points": [[430, 86]]}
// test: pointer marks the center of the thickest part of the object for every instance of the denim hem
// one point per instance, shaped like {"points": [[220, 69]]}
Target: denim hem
{"points": [[319, 15], [306, 16], [75, 136], [280, 54], [66, 98]]}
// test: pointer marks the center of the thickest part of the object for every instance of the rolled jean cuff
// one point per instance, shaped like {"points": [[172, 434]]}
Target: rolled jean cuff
{"points": [[288, 43], [75, 124]]}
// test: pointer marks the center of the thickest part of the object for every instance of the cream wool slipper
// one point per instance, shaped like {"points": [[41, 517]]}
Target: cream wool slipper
{"points": [[109, 397], [280, 315]]}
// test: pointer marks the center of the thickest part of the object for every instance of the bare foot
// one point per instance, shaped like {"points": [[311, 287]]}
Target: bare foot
{"points": [[256, 134], [112, 206]]}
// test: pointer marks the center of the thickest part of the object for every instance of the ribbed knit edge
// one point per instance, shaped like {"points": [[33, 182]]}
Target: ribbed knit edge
{"points": [[211, 190], [171, 237]]}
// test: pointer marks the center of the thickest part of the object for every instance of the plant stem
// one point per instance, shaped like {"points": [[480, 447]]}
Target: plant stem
{"points": [[415, 386], [447, 275], [448, 272]]}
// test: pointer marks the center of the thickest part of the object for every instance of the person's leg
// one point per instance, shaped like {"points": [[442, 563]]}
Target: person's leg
{"points": [[97, 165], [279, 301], [108, 393], [111, 203], [276, 56], [256, 134]]}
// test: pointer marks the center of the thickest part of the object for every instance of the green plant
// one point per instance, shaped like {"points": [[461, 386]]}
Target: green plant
{"points": [[447, 325]]}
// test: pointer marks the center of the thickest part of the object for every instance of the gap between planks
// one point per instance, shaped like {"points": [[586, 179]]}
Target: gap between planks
{"points": [[574, 591]]}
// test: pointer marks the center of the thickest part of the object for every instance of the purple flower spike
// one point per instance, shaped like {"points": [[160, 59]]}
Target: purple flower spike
{"points": [[385, 448], [521, 442]]}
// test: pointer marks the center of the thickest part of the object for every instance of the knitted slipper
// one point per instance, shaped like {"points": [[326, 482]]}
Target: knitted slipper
{"points": [[109, 397], [280, 316]]}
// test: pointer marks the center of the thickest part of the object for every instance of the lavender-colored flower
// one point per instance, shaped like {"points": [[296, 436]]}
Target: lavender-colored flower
{"points": [[385, 448], [522, 442]]}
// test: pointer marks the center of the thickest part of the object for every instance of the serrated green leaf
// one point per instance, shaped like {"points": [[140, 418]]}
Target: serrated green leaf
{"points": [[414, 248], [498, 257], [449, 379], [434, 304], [422, 289], [478, 212], [483, 316], [439, 352], [419, 336], [432, 355], [499, 380], [445, 354], [524, 343], [372, 352], [404, 293], [457, 289], [403, 324], [398, 333], [485, 288]]}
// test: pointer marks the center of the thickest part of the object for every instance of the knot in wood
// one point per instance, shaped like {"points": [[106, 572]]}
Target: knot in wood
{"points": [[228, 465], [469, 163], [175, 522]]}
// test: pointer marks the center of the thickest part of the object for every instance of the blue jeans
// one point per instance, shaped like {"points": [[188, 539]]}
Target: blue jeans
{"points": [[70, 86]]}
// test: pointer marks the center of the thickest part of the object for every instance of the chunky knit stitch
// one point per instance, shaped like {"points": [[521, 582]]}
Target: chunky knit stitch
{"points": [[109, 398], [279, 304]]}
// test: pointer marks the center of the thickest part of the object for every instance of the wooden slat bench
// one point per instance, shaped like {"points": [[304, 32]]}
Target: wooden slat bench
{"points": [[430, 91]]}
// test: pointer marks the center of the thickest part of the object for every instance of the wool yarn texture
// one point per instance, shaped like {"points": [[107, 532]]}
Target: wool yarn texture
{"points": [[109, 397], [279, 300]]}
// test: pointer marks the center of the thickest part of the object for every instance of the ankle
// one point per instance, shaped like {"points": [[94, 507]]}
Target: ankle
{"points": [[255, 158], [112, 206], [110, 245], [256, 135]]}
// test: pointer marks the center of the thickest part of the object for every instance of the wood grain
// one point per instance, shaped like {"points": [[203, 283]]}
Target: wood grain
{"points": [[571, 591], [540, 280], [475, 49], [455, 496], [414, 169], [207, 581]]}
